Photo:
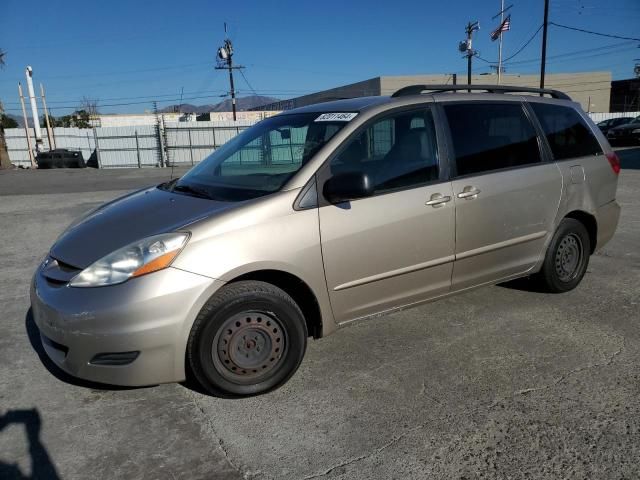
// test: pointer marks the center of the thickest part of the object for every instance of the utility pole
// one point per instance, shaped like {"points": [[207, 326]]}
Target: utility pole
{"points": [[466, 47], [52, 140], [26, 126], [225, 58], [545, 25]]}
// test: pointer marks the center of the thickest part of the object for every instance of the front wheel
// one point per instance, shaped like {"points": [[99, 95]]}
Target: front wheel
{"points": [[567, 257], [248, 339]]}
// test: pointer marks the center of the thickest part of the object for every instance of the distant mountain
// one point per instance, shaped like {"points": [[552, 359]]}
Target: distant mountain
{"points": [[17, 118], [243, 103]]}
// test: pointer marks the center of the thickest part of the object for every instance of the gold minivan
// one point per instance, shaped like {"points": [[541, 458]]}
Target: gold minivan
{"points": [[320, 216]]}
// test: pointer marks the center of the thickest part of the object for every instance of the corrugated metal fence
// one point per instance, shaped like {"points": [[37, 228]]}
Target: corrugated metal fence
{"points": [[134, 146]]}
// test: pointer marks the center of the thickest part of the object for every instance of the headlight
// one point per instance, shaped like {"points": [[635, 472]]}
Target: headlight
{"points": [[148, 255]]}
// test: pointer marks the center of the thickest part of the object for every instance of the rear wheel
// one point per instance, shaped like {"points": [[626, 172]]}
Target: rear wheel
{"points": [[567, 257], [248, 339]]}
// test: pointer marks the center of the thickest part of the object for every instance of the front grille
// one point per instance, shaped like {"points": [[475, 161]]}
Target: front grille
{"points": [[58, 272]]}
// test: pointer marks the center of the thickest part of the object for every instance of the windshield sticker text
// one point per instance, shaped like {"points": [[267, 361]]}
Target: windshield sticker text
{"points": [[336, 117]]}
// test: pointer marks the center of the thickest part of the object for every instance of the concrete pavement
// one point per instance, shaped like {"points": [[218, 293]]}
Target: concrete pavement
{"points": [[500, 382]]}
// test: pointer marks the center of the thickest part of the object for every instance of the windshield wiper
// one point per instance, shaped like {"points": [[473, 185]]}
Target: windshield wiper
{"points": [[196, 192]]}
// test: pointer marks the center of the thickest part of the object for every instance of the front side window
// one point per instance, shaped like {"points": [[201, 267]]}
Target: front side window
{"points": [[261, 159], [396, 152], [491, 137], [566, 131]]}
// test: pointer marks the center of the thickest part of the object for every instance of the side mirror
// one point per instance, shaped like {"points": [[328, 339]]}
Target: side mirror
{"points": [[347, 186]]}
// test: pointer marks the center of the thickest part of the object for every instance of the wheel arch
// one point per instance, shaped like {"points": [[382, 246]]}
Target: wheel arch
{"points": [[589, 222], [297, 288]]}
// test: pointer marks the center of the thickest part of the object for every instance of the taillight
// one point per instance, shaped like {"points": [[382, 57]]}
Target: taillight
{"points": [[614, 161]]}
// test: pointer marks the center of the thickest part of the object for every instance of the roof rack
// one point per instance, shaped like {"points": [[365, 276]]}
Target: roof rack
{"points": [[418, 89]]}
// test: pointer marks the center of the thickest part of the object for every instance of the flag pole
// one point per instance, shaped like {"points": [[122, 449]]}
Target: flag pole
{"points": [[500, 44]]}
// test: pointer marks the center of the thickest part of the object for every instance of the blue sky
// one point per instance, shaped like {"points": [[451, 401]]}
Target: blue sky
{"points": [[132, 51]]}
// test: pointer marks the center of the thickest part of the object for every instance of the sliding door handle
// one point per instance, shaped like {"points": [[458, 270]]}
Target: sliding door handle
{"points": [[469, 193]]}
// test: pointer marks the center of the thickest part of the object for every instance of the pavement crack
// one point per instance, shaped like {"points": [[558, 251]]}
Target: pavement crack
{"points": [[209, 425], [565, 376], [375, 452]]}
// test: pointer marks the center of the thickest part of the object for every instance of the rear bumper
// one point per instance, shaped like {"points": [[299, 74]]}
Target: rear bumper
{"points": [[607, 217], [148, 318]]}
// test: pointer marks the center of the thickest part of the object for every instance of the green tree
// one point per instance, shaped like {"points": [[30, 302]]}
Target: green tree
{"points": [[7, 122]]}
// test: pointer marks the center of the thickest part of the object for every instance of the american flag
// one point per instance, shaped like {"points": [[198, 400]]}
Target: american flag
{"points": [[504, 26]]}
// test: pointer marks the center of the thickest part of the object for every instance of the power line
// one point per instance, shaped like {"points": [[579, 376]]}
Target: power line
{"points": [[247, 82], [594, 33], [525, 44]]}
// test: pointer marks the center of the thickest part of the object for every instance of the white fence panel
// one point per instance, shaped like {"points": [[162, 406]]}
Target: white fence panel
{"points": [[186, 143]]}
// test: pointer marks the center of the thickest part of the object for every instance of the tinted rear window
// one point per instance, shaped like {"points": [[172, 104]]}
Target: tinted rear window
{"points": [[491, 137], [566, 131]]}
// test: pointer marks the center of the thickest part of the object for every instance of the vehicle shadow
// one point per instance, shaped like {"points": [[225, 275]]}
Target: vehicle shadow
{"points": [[36, 343], [42, 467], [525, 284]]}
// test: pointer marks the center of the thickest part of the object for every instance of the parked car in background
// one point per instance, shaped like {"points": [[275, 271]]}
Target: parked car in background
{"points": [[60, 158], [320, 216], [627, 134], [610, 123]]}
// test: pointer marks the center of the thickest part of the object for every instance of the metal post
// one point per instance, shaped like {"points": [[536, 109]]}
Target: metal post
{"points": [[455, 78], [190, 145], [543, 62], [95, 139], [52, 140], [34, 108], [26, 127], [138, 150], [163, 153]]}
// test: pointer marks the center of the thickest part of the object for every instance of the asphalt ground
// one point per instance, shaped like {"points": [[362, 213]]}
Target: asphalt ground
{"points": [[500, 382]]}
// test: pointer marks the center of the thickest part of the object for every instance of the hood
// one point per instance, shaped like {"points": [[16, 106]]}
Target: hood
{"points": [[130, 218]]}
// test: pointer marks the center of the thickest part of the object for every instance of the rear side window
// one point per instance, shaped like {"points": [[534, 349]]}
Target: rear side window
{"points": [[491, 137], [566, 131]]}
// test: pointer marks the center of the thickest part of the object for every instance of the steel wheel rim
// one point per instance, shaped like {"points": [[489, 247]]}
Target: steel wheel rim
{"points": [[569, 255], [249, 347]]}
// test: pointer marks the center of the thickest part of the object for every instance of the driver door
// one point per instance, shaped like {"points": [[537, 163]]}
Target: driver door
{"points": [[395, 247]]}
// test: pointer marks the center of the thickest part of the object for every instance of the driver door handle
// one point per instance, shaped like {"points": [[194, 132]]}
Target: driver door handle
{"points": [[438, 200]]}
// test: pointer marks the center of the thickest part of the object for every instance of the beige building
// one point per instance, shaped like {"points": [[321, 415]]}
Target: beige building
{"points": [[591, 89]]}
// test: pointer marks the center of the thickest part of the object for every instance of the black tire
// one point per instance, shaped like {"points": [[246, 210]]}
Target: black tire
{"points": [[567, 257], [276, 343]]}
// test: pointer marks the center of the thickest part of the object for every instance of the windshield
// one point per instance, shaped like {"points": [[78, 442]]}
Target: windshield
{"points": [[261, 159]]}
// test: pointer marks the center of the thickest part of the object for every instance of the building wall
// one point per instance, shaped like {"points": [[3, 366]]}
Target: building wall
{"points": [[625, 95], [139, 119], [591, 89]]}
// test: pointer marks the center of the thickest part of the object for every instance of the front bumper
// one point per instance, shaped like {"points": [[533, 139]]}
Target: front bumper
{"points": [[151, 315]]}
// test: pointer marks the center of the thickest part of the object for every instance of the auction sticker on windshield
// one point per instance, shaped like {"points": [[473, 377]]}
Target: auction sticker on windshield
{"points": [[336, 117]]}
